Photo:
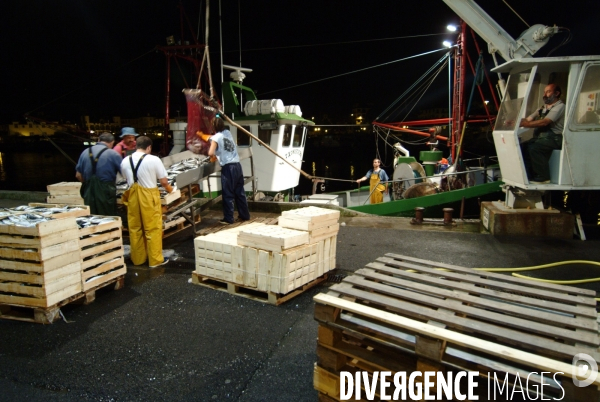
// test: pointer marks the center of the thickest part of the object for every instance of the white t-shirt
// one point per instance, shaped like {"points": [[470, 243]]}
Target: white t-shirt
{"points": [[150, 171]]}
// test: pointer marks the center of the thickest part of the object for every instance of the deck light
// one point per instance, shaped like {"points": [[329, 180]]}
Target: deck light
{"points": [[447, 43], [451, 28]]}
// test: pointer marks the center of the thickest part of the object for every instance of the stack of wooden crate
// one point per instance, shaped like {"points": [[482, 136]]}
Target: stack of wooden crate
{"points": [[64, 193], [273, 259], [101, 253], [46, 266], [41, 265], [403, 314]]}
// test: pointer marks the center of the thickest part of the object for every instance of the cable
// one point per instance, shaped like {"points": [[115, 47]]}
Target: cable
{"points": [[355, 71], [511, 9], [92, 81], [334, 43]]}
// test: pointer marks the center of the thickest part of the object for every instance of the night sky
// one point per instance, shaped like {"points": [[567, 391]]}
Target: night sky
{"points": [[67, 58]]}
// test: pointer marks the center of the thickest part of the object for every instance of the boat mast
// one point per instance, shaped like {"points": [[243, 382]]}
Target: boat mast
{"points": [[458, 101]]}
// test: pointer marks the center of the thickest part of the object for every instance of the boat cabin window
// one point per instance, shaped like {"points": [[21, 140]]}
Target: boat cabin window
{"points": [[244, 139], [264, 135], [516, 89], [587, 109], [287, 135], [299, 136]]}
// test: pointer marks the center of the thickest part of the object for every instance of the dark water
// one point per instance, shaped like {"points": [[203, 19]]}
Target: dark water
{"points": [[339, 158], [33, 171]]}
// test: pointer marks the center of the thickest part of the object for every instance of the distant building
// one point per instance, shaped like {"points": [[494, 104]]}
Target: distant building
{"points": [[30, 128], [147, 125]]}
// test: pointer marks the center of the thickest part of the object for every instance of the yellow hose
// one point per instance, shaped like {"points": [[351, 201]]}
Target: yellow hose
{"points": [[558, 282], [534, 267]]}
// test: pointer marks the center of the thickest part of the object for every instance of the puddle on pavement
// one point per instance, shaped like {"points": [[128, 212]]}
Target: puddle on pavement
{"points": [[136, 275]]}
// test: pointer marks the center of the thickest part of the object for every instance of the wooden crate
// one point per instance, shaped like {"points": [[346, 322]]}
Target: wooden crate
{"points": [[220, 256], [272, 238], [101, 253], [423, 315], [217, 253], [170, 198], [64, 188], [309, 218], [65, 199], [40, 265], [48, 315], [82, 210]]}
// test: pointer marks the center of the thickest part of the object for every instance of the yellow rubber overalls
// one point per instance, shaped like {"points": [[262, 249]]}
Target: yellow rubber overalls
{"points": [[144, 216], [377, 194]]}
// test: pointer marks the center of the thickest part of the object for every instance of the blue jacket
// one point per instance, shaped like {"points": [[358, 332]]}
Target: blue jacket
{"points": [[107, 167]]}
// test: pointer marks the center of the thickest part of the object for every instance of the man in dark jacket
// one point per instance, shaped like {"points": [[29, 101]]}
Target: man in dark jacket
{"points": [[97, 168]]}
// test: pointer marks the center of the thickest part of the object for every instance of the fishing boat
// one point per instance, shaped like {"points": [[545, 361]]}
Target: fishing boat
{"points": [[436, 180]]}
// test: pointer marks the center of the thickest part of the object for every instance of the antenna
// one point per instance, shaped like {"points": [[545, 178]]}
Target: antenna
{"points": [[238, 73]]}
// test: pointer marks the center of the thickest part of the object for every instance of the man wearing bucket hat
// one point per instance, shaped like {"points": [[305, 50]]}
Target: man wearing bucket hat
{"points": [[127, 144]]}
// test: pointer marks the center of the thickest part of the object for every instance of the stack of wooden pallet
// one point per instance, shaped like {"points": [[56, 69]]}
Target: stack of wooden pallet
{"points": [[64, 193], [402, 314], [276, 260]]}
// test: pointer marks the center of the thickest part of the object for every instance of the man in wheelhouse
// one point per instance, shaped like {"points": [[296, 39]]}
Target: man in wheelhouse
{"points": [[548, 123]]}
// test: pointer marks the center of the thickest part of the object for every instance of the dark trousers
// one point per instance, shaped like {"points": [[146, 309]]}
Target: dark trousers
{"points": [[536, 154], [232, 186]]}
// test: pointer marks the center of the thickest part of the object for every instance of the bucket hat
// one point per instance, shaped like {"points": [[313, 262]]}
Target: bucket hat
{"points": [[128, 131]]}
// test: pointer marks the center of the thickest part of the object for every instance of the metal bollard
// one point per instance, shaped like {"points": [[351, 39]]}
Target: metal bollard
{"points": [[448, 216], [418, 219]]}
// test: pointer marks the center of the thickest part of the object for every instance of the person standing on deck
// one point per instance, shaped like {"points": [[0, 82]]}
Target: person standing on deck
{"points": [[97, 169], [232, 177], [127, 144], [378, 179], [144, 214]]}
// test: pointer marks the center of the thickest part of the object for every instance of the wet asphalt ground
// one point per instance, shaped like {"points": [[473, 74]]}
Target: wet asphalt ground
{"points": [[162, 338]]}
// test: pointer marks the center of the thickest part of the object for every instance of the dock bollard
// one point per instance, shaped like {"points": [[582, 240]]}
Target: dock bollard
{"points": [[448, 216], [418, 219]]}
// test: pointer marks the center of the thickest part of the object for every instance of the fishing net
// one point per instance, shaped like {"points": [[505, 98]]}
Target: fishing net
{"points": [[200, 115]]}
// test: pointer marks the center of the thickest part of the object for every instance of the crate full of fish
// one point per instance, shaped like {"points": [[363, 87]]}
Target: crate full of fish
{"points": [[101, 245], [57, 211], [40, 261]]}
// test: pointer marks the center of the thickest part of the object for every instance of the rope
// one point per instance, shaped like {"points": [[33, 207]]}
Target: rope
{"points": [[511, 9], [242, 129], [355, 71]]}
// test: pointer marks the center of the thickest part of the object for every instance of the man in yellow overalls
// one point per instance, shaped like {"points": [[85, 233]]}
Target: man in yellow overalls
{"points": [[144, 215], [378, 179]]}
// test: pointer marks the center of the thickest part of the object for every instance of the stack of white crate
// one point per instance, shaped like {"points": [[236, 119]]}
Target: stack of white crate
{"points": [[64, 193], [271, 258]]}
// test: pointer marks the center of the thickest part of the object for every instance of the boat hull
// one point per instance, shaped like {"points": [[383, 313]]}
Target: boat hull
{"points": [[434, 203]]}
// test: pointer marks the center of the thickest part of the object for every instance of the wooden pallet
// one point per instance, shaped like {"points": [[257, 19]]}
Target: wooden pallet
{"points": [[424, 314], [39, 266], [101, 253], [48, 315], [252, 293]]}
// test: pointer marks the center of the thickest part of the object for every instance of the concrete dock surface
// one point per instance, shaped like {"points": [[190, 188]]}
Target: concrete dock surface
{"points": [[162, 338]]}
